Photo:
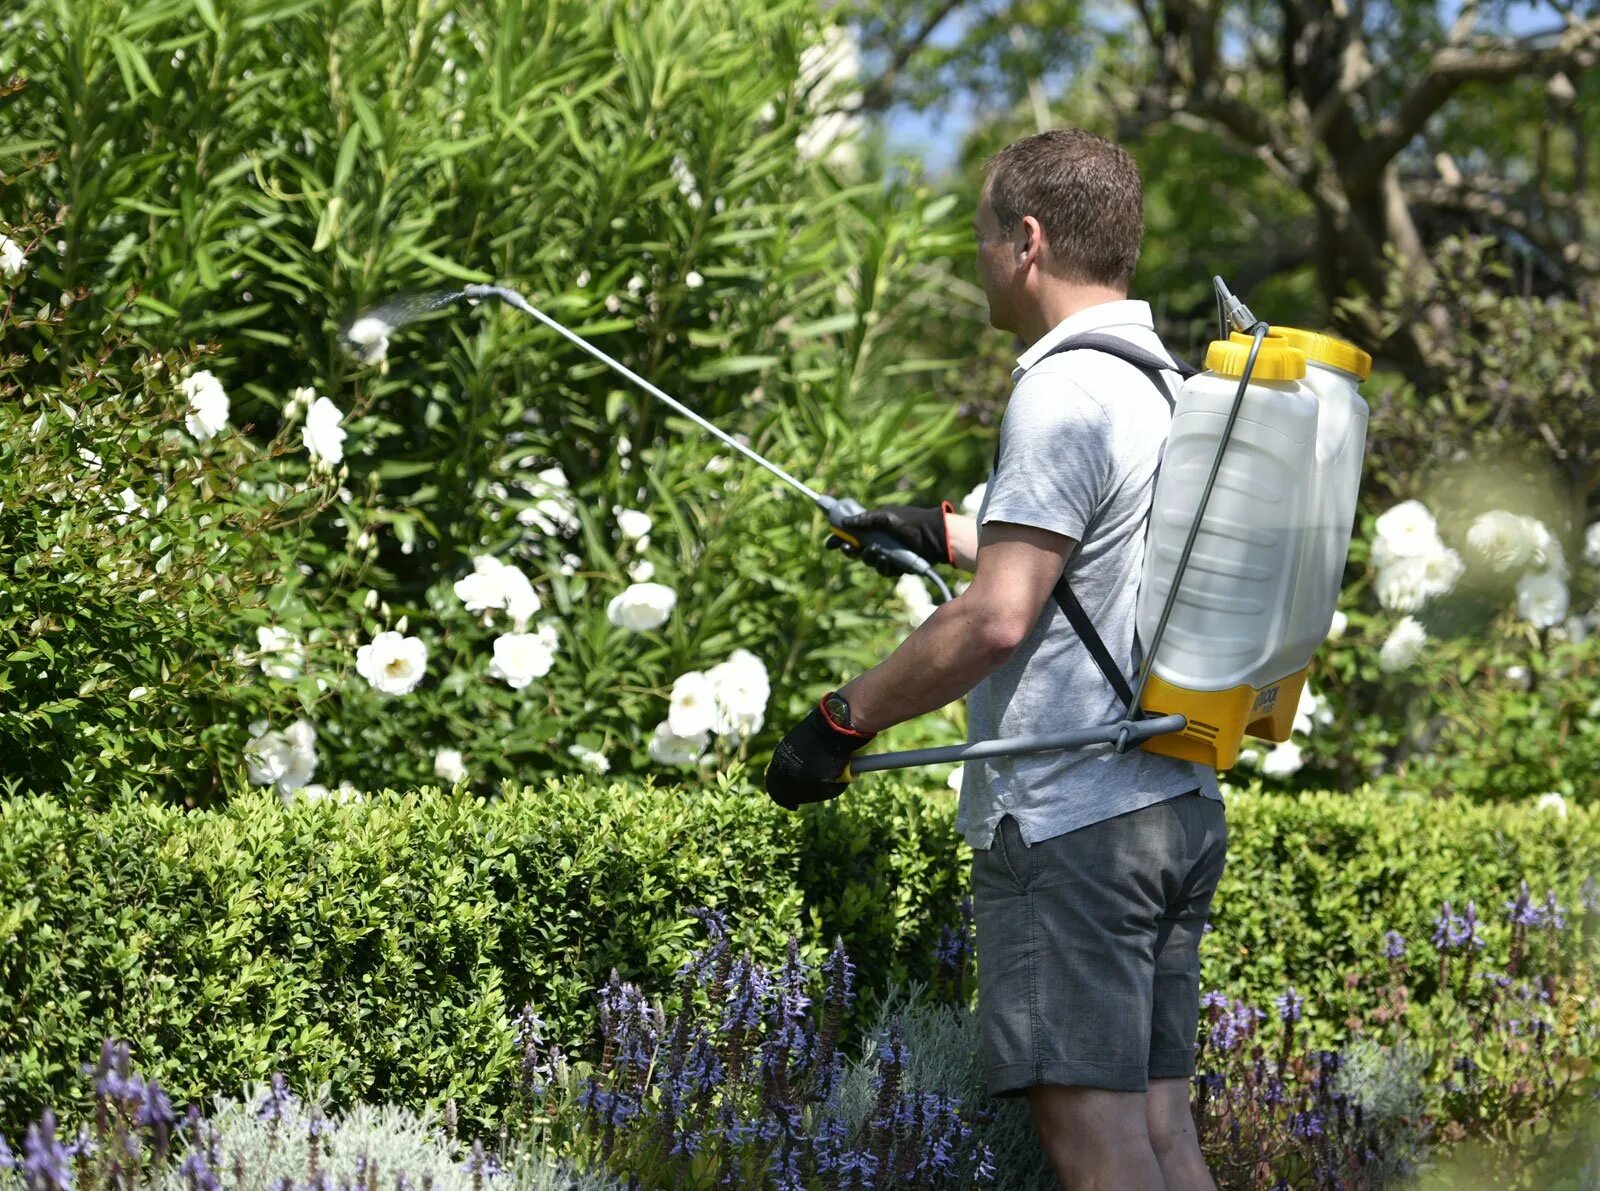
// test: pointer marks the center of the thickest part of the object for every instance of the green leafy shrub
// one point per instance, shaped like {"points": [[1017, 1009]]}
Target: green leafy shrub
{"points": [[385, 945]]}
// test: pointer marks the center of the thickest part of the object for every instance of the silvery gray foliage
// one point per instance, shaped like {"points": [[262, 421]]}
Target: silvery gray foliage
{"points": [[268, 1145], [1387, 1082], [941, 1047]]}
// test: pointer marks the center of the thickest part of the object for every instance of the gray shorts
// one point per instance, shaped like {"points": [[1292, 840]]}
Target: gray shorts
{"points": [[1088, 947]]}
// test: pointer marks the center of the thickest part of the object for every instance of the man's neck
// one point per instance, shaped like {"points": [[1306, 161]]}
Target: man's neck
{"points": [[1060, 302]]}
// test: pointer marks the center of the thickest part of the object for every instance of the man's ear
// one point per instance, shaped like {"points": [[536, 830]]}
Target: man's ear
{"points": [[1032, 237]]}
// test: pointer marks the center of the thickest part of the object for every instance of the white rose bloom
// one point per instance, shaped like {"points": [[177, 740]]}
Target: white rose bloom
{"points": [[1406, 531], [554, 512], [519, 658], [633, 524], [1283, 760], [282, 655], [669, 748], [693, 706], [1440, 570], [973, 501], [1542, 599], [208, 405], [1403, 646], [718, 464], [1547, 553], [740, 689], [1591, 545], [448, 766], [1552, 801], [300, 400], [368, 340], [954, 780], [642, 571], [13, 261], [393, 664], [497, 585], [322, 434], [1501, 539], [1402, 584], [1340, 623], [591, 760], [643, 606], [1312, 712], [913, 593], [285, 760]]}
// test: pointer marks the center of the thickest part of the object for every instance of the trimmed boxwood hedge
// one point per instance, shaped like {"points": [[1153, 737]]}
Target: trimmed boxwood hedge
{"points": [[385, 945]]}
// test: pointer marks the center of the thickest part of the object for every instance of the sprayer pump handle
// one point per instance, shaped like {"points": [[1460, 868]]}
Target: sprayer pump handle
{"points": [[876, 544]]}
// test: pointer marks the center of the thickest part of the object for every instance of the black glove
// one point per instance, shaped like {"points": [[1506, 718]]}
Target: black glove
{"points": [[808, 762], [920, 530]]}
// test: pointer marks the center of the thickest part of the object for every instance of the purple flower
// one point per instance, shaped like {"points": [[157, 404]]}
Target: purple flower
{"points": [[1394, 944], [276, 1101], [1214, 999], [46, 1165], [197, 1172], [1289, 1006], [1306, 1125], [1522, 911], [1456, 931], [8, 1160], [1555, 916], [480, 1164]]}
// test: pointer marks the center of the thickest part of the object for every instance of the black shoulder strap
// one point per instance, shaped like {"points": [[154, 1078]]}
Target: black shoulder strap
{"points": [[1152, 366]]}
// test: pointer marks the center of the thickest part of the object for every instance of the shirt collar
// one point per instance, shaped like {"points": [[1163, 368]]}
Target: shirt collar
{"points": [[1127, 312]]}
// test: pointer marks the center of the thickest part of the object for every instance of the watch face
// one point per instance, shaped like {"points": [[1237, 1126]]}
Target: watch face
{"points": [[838, 709]]}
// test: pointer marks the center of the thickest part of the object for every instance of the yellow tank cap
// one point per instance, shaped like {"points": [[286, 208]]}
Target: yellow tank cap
{"points": [[1319, 348], [1277, 361]]}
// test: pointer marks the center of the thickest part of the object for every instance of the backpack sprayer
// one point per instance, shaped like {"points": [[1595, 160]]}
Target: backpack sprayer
{"points": [[1268, 562]]}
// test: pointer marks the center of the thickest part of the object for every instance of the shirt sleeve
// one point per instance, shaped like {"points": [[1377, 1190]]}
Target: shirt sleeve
{"points": [[1055, 458]]}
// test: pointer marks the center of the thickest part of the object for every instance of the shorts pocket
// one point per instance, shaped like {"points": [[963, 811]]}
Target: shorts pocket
{"points": [[1018, 858]]}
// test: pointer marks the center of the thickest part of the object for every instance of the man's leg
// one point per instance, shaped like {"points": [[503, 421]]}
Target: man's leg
{"points": [[1096, 1140], [1171, 1127]]}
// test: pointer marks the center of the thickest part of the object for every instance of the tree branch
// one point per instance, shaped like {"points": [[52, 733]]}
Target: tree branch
{"points": [[879, 94], [1454, 67]]}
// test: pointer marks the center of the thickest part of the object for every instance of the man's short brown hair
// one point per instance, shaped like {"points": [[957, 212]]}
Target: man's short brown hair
{"points": [[1085, 193]]}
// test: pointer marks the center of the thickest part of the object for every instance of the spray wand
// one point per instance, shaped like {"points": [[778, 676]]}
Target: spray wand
{"points": [[376, 324]]}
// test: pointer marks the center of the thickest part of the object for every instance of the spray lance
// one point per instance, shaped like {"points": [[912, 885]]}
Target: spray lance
{"points": [[372, 328], [368, 335]]}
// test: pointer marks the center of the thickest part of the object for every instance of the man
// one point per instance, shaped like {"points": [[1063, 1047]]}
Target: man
{"points": [[1092, 871]]}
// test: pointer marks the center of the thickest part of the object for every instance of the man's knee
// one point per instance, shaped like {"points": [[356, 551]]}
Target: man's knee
{"points": [[1087, 1125]]}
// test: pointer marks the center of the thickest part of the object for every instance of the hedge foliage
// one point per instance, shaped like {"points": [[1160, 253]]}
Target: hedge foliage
{"points": [[385, 945]]}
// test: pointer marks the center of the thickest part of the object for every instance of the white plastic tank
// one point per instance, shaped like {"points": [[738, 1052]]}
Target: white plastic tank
{"points": [[1231, 632], [1334, 370]]}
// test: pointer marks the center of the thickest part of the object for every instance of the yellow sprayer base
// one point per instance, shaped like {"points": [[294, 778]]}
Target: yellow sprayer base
{"points": [[1219, 720]]}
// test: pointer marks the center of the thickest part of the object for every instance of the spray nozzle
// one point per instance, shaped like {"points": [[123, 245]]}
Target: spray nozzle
{"points": [[1231, 311]]}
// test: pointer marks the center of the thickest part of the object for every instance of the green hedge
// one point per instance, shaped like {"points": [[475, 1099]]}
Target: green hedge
{"points": [[385, 945]]}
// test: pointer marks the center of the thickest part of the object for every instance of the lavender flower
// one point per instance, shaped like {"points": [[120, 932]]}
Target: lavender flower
{"points": [[1555, 916], [276, 1101], [1394, 945], [1456, 931], [1289, 1006], [8, 1160], [1522, 911], [46, 1165]]}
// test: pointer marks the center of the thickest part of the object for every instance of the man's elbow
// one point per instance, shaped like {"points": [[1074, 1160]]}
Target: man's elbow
{"points": [[999, 632]]}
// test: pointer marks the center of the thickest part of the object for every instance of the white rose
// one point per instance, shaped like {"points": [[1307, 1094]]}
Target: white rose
{"points": [[642, 571], [1403, 646], [368, 340], [1501, 539], [1440, 570], [1311, 712], [300, 400], [913, 593], [322, 434], [643, 606], [1339, 624], [1283, 760], [393, 664], [13, 261], [633, 524], [1547, 552], [692, 708], [282, 655], [740, 691], [285, 760], [1401, 584], [1552, 801], [208, 405], [554, 512], [448, 766], [954, 780], [1591, 545], [973, 501], [669, 748], [591, 760], [1542, 599], [1406, 531], [519, 658]]}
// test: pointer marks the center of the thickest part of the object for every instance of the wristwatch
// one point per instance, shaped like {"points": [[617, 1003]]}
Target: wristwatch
{"points": [[837, 709]]}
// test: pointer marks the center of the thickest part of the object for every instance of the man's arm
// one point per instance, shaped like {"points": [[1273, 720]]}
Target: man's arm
{"points": [[963, 534], [967, 639]]}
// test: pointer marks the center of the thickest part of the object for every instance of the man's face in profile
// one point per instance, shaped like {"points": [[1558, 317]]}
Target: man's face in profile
{"points": [[995, 266]]}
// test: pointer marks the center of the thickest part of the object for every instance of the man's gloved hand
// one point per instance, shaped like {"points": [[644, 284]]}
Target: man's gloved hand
{"points": [[920, 530], [807, 764]]}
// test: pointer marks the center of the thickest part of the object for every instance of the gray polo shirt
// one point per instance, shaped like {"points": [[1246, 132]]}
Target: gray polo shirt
{"points": [[1079, 446]]}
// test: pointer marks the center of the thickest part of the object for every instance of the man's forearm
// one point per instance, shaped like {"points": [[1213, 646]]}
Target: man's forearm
{"points": [[943, 658], [962, 532]]}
